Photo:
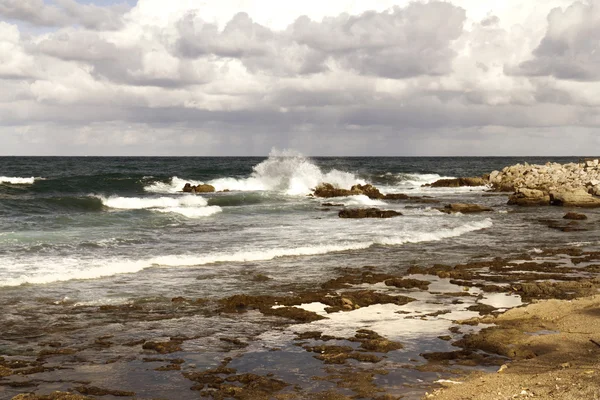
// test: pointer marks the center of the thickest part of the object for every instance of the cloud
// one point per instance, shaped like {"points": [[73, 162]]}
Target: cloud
{"points": [[396, 43], [570, 50], [64, 13], [423, 77]]}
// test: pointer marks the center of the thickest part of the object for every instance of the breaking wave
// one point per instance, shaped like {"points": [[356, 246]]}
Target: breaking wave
{"points": [[188, 206], [284, 171], [17, 181], [69, 269]]}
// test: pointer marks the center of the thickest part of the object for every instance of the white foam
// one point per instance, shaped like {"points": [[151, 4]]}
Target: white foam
{"points": [[174, 186], [71, 269], [254, 255], [17, 180], [419, 180], [138, 203], [190, 206], [416, 237], [361, 200]]}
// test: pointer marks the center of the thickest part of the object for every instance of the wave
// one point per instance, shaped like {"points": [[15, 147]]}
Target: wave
{"points": [[70, 269], [189, 206], [65, 269], [269, 254], [284, 171], [419, 180], [17, 181]]}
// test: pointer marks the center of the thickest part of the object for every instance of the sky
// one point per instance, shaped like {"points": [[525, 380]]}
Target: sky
{"points": [[353, 77]]}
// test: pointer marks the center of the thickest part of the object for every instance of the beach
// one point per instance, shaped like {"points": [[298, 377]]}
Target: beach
{"points": [[118, 284]]}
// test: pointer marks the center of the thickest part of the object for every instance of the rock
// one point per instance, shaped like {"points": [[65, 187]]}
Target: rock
{"points": [[578, 197], [188, 188], [327, 190], [464, 208], [529, 197], [171, 346], [458, 182], [368, 190], [367, 213], [396, 196], [205, 189], [575, 216]]}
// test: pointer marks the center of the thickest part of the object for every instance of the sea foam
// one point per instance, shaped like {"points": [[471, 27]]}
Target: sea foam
{"points": [[17, 180], [188, 206]]}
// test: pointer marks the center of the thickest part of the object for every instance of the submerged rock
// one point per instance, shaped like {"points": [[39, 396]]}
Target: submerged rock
{"points": [[367, 213], [458, 182], [464, 208], [575, 216]]}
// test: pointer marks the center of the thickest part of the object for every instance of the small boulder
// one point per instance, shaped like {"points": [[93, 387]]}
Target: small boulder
{"points": [[367, 213], [188, 188], [205, 189], [575, 216], [464, 208], [529, 197]]}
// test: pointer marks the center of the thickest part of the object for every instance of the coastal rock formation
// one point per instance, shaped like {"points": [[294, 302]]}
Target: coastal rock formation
{"points": [[464, 208], [188, 188], [367, 213], [548, 177], [573, 184], [458, 182]]}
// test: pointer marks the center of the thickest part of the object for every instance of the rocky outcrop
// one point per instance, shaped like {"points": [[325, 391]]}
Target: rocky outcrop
{"points": [[573, 184], [529, 197], [188, 188], [464, 208], [548, 177], [458, 182], [367, 213]]}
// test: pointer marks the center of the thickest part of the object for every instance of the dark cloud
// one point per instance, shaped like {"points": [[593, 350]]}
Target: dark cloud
{"points": [[64, 13], [570, 50]]}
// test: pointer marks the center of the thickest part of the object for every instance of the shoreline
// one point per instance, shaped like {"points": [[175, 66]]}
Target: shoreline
{"points": [[347, 334]]}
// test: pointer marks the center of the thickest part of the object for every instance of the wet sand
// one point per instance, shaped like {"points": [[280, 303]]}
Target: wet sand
{"points": [[368, 333]]}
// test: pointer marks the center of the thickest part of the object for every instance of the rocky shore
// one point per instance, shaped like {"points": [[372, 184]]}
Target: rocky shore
{"points": [[541, 350]]}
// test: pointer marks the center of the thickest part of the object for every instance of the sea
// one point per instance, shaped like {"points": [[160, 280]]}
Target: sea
{"points": [[95, 231]]}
